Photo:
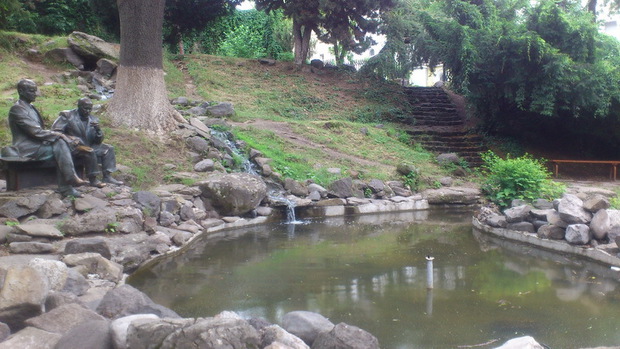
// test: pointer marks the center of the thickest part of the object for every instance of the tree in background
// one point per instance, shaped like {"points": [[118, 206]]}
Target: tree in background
{"points": [[140, 99], [252, 34], [526, 69], [339, 22], [59, 17], [183, 18]]}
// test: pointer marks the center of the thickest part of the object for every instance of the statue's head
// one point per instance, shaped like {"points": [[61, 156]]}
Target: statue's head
{"points": [[27, 90], [85, 106]]}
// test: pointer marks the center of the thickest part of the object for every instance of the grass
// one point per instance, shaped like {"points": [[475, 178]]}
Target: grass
{"points": [[328, 109]]}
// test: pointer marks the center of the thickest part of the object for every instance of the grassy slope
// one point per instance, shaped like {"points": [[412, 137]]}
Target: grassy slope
{"points": [[326, 109]]}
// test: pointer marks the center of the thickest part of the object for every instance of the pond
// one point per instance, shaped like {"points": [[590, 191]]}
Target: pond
{"points": [[370, 272]]}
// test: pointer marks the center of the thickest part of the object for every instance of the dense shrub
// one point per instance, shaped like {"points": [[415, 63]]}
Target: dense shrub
{"points": [[523, 178]]}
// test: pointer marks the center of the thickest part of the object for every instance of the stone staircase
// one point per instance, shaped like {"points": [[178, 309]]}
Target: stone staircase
{"points": [[436, 124]]}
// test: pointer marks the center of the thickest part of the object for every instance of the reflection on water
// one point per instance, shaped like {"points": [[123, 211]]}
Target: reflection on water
{"points": [[370, 271]]}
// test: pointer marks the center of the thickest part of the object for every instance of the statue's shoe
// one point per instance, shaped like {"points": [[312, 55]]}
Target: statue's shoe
{"points": [[97, 183], [78, 182], [111, 180], [71, 192]]}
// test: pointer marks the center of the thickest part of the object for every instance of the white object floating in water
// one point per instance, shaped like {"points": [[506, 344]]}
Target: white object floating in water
{"points": [[615, 268]]}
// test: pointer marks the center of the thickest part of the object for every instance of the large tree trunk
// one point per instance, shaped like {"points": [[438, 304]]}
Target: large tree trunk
{"points": [[140, 99], [301, 36]]}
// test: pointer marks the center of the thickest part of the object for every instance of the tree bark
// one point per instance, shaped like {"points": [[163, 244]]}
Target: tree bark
{"points": [[301, 36], [140, 99]]}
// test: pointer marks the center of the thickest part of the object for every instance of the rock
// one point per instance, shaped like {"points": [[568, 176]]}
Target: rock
{"points": [[405, 169], [600, 224], [578, 234], [150, 333], [344, 336], [91, 334], [343, 188], [521, 226], [317, 63], [312, 187], [95, 264], [88, 203], [92, 48], [95, 244], [264, 211], [526, 342], [31, 338], [22, 295], [542, 204], [206, 165], [275, 333], [376, 185], [40, 230], [448, 158], [95, 221], [106, 67], [119, 329], [31, 248], [235, 193], [571, 210], [596, 203], [550, 231], [23, 206], [540, 214], [294, 187], [56, 272], [306, 325], [446, 181], [497, 221], [211, 332], [267, 61], [148, 202], [63, 318], [65, 55], [553, 217], [221, 110], [452, 195], [5, 331], [76, 283], [58, 299], [517, 214], [126, 300]]}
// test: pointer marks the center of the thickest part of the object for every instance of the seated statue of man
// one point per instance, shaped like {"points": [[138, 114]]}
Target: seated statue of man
{"points": [[80, 124], [32, 141]]}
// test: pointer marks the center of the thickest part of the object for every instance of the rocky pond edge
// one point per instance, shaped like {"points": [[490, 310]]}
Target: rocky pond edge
{"points": [[98, 310]]}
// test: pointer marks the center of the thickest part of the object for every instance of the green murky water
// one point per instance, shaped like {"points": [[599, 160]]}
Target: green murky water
{"points": [[370, 271]]}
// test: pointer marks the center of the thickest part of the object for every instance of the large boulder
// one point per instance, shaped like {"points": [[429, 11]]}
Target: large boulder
{"points": [[92, 48], [344, 336], [571, 210], [65, 55], [31, 338], [235, 193], [22, 295], [23, 206], [126, 300], [578, 234], [91, 334], [62, 319], [600, 224], [306, 325], [95, 221]]}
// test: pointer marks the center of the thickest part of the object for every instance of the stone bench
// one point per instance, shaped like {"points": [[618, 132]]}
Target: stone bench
{"points": [[22, 173]]}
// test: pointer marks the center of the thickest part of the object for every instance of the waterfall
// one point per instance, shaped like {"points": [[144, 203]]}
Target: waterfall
{"points": [[248, 166]]}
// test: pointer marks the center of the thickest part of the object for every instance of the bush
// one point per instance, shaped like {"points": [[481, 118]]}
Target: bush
{"points": [[522, 178]]}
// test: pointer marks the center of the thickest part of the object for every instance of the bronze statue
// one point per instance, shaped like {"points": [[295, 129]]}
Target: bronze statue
{"points": [[32, 141], [80, 125]]}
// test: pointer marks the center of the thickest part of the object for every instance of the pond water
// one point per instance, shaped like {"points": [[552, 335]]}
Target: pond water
{"points": [[370, 272]]}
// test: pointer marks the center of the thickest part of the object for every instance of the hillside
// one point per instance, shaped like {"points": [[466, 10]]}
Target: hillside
{"points": [[307, 120]]}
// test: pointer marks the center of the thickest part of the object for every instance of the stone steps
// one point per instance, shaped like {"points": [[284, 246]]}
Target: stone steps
{"points": [[436, 124]]}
